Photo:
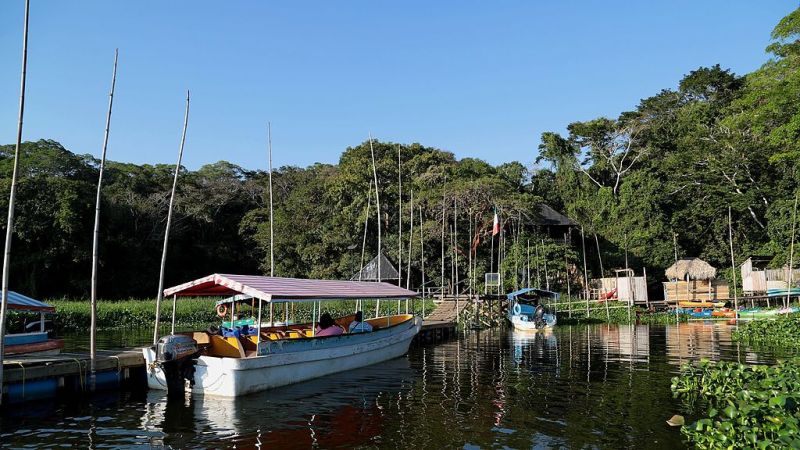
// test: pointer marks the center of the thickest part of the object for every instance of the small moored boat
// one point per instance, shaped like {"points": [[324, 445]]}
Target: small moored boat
{"points": [[251, 355], [32, 337], [526, 311]]}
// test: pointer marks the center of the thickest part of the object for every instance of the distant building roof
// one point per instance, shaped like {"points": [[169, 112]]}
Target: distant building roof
{"points": [[370, 271], [552, 217]]}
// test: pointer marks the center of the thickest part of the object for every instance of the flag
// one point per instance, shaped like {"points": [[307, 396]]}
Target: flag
{"points": [[495, 225]]}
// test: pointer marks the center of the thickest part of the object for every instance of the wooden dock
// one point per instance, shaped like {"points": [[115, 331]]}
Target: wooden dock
{"points": [[34, 377], [441, 323]]}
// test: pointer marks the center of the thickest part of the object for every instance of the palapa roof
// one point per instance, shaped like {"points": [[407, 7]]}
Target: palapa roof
{"points": [[287, 289], [694, 268], [370, 270]]}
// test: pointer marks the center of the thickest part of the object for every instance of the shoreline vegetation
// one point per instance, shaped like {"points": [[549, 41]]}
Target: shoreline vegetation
{"points": [[74, 315]]}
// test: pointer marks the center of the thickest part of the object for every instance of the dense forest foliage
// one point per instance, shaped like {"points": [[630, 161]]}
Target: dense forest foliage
{"points": [[652, 182]]}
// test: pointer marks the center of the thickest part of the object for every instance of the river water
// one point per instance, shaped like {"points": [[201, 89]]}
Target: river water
{"points": [[597, 386]]}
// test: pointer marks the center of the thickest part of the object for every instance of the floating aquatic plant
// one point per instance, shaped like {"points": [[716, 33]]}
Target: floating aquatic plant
{"points": [[749, 406]]}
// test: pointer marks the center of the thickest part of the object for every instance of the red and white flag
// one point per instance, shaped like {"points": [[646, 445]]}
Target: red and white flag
{"points": [[495, 225]]}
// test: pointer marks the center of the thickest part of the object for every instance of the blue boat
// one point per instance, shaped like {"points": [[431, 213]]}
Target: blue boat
{"points": [[526, 311]]}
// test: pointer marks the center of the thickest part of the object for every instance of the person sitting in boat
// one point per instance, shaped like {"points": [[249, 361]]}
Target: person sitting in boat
{"points": [[327, 327], [358, 325], [538, 314]]}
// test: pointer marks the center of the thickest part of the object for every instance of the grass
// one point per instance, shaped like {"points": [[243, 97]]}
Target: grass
{"points": [[75, 315], [617, 313]]}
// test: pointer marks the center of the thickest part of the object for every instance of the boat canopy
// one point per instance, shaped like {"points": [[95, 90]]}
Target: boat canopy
{"points": [[536, 291], [278, 289], [19, 302]]}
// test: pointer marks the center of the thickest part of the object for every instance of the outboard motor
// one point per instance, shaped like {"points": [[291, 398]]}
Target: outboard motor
{"points": [[176, 355]]}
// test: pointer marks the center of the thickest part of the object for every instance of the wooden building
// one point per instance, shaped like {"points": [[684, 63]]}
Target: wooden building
{"points": [[694, 280], [624, 286], [759, 280]]}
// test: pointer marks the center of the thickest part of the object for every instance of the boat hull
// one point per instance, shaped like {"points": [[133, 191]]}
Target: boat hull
{"points": [[292, 361], [519, 324]]}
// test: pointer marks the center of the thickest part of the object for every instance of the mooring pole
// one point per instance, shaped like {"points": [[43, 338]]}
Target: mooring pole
{"points": [[12, 195], [96, 239], [160, 294], [733, 264], [271, 216], [378, 211], [791, 255]]}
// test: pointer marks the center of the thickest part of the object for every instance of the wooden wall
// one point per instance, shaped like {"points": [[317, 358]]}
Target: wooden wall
{"points": [[696, 290]]}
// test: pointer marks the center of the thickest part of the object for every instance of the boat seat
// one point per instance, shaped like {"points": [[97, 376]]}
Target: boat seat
{"points": [[226, 347]]}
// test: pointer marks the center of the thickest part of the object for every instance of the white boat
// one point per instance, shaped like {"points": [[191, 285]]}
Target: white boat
{"points": [[254, 356], [522, 309]]}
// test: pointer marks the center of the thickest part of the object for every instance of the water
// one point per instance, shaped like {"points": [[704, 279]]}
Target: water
{"points": [[579, 386]]}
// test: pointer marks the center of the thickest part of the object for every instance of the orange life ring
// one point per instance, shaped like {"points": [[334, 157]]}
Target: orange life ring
{"points": [[222, 310]]}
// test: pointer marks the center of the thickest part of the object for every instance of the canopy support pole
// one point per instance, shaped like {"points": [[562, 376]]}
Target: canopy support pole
{"points": [[174, 310], [258, 336]]}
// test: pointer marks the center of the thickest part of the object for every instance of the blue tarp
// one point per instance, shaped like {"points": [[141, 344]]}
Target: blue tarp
{"points": [[539, 292], [21, 302]]}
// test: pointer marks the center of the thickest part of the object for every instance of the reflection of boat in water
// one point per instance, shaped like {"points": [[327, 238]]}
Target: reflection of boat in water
{"points": [[340, 410], [526, 311], [246, 359]]}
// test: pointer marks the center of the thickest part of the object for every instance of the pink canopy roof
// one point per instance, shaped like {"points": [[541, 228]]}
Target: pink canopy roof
{"points": [[287, 289]]}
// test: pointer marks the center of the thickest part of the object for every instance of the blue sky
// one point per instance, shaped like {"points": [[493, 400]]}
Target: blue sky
{"points": [[480, 79]]}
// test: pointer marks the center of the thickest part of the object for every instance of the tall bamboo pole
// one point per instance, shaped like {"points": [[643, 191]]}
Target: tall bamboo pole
{"points": [[96, 237], [546, 276], [791, 254], [410, 242], [399, 220], [366, 222], [12, 195], [422, 258], [471, 274], [455, 253], [160, 294], [378, 212], [585, 272], [566, 273], [271, 215], [444, 219], [599, 256], [528, 263], [733, 263]]}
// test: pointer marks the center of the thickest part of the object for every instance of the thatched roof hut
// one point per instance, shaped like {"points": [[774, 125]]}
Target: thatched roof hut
{"points": [[692, 269]]}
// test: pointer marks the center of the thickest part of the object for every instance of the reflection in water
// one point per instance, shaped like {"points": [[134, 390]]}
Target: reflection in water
{"points": [[576, 386]]}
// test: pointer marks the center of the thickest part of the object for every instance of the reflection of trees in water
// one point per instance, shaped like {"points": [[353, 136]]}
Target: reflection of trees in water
{"points": [[575, 386]]}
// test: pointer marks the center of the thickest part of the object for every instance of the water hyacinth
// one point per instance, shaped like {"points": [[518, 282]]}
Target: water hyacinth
{"points": [[783, 331], [749, 406]]}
